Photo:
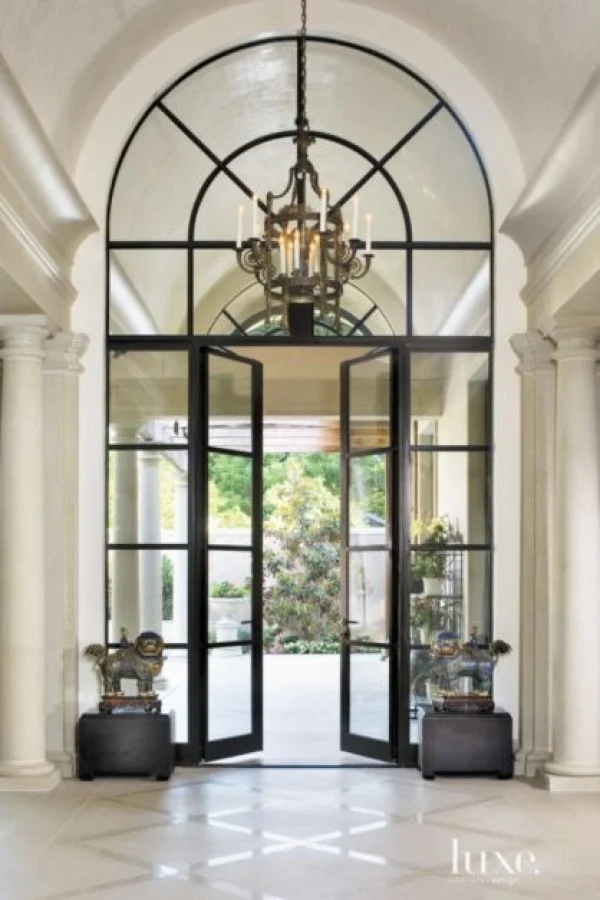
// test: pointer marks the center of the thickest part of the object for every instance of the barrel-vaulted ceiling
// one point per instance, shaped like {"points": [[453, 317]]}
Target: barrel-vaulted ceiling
{"points": [[533, 56]]}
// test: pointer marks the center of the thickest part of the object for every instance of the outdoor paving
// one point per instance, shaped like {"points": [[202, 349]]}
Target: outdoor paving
{"points": [[301, 703]]}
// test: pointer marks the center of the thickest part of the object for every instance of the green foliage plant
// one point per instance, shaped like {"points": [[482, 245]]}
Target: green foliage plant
{"points": [[302, 556], [166, 565], [430, 562]]}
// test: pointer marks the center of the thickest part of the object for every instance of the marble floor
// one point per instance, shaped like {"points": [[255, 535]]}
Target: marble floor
{"points": [[291, 834]]}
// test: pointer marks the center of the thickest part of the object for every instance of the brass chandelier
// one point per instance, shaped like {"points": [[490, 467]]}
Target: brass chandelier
{"points": [[304, 255]]}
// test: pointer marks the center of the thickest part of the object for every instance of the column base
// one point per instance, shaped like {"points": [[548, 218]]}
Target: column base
{"points": [[64, 762], [43, 776], [571, 777], [530, 763]]}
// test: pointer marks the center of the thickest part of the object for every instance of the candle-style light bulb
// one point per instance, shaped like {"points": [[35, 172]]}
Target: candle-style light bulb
{"points": [[254, 216], [240, 223], [297, 249], [323, 222], [282, 255]]}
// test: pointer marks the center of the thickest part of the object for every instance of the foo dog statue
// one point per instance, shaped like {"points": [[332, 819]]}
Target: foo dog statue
{"points": [[143, 660], [454, 660]]}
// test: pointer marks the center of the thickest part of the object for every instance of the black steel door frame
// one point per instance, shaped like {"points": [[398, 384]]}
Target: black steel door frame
{"points": [[193, 752], [352, 741]]}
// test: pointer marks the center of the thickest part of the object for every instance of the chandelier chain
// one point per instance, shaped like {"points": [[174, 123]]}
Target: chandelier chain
{"points": [[302, 121], [302, 256]]}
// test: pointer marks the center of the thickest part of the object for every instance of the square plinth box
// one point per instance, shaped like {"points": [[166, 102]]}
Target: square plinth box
{"points": [[125, 744], [465, 743]]}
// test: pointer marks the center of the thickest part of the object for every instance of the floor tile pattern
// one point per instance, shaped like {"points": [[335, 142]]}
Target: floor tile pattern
{"points": [[293, 834]]}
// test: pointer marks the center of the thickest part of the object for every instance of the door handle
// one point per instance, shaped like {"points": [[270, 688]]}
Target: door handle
{"points": [[351, 622], [246, 622]]}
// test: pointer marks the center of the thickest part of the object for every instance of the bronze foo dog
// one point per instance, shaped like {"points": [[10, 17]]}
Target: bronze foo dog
{"points": [[143, 660], [454, 660]]}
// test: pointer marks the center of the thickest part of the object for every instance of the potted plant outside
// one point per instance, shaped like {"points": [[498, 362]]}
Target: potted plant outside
{"points": [[430, 563]]}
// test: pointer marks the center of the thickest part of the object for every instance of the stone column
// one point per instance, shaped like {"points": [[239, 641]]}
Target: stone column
{"points": [[61, 482], [125, 584], [538, 389], [23, 762], [149, 532], [575, 761], [180, 569]]}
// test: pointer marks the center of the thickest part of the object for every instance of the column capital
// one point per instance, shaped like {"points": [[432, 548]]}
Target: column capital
{"points": [[63, 352], [22, 337], [576, 338], [534, 352]]}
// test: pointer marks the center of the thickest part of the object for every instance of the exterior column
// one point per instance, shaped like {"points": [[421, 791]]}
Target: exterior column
{"points": [[150, 533], [575, 762], [538, 388], [23, 762], [180, 569], [125, 584]]}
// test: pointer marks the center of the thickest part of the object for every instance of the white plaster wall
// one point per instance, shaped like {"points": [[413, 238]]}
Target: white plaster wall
{"points": [[93, 174], [510, 319], [88, 318]]}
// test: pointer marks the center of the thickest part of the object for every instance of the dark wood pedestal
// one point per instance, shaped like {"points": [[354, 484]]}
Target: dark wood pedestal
{"points": [[467, 743], [124, 744]]}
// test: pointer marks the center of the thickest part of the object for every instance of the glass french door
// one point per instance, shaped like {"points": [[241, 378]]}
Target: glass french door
{"points": [[230, 564], [369, 544]]}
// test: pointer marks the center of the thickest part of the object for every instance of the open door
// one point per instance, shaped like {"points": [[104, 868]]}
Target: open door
{"points": [[369, 544], [231, 621]]}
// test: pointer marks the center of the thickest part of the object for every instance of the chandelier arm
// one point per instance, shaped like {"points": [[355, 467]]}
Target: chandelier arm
{"points": [[288, 186]]}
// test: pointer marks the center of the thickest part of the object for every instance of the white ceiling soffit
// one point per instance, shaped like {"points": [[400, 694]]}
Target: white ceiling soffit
{"points": [[533, 58], [34, 166], [567, 183]]}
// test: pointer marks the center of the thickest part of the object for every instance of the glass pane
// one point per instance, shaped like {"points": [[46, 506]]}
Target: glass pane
{"points": [[148, 291], [424, 432], [368, 500], [438, 173], [172, 688], [369, 694], [147, 497], [370, 404], [229, 692], [229, 499], [147, 591], [220, 284], [230, 399], [450, 592], [353, 82], [238, 89], [422, 685], [454, 486], [451, 292], [156, 185], [451, 389], [229, 601], [368, 591], [148, 397]]}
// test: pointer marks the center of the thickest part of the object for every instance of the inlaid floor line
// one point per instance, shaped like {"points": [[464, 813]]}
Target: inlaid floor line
{"points": [[95, 889]]}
